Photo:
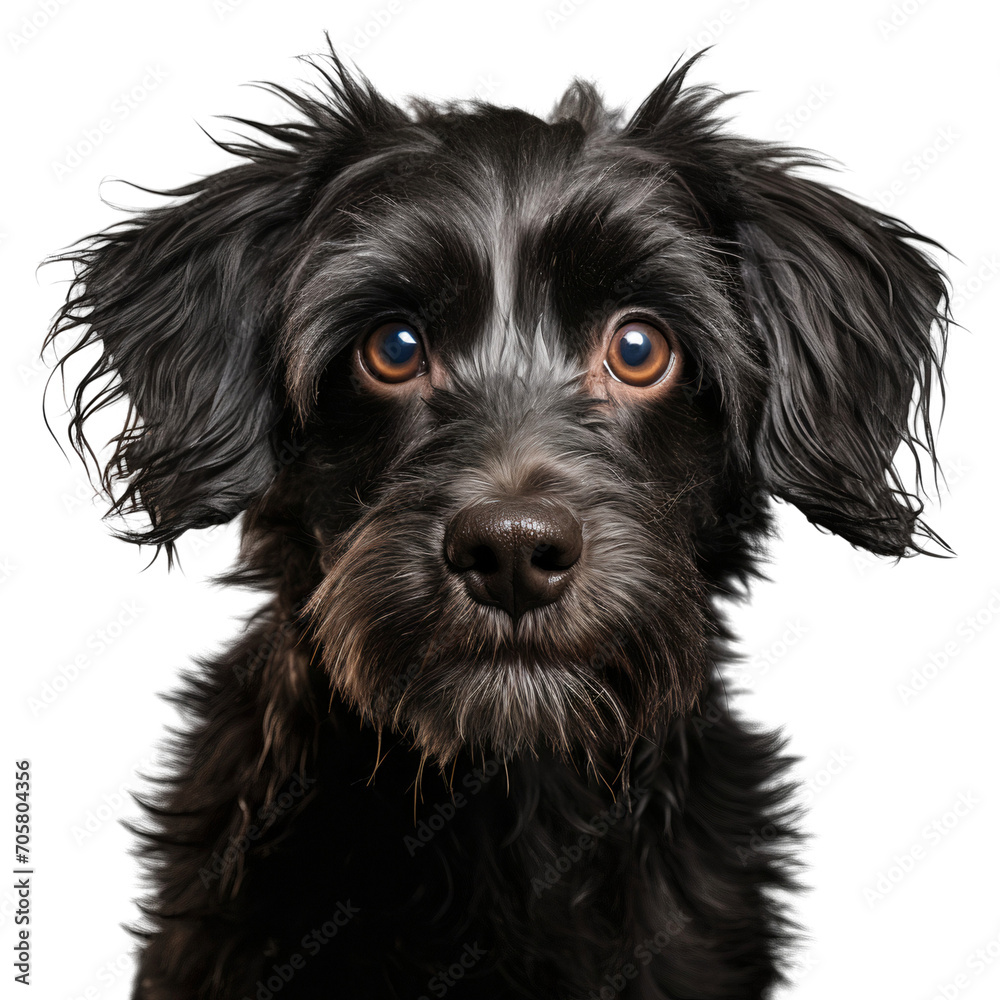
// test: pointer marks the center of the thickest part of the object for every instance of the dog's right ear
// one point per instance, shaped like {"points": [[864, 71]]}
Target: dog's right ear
{"points": [[846, 310], [181, 302]]}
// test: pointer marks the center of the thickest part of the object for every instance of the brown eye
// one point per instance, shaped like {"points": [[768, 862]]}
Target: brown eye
{"points": [[392, 353], [639, 354]]}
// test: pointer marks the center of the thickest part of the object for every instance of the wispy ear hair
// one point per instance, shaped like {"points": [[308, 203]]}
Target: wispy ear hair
{"points": [[179, 301], [849, 308]]}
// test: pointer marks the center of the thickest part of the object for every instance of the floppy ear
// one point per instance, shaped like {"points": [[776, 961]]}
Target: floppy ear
{"points": [[847, 311], [182, 303], [846, 306]]}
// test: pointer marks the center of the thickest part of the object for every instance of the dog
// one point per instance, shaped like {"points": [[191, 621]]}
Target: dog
{"points": [[503, 404]]}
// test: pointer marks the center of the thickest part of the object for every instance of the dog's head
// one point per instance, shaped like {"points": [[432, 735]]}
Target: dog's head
{"points": [[507, 398]]}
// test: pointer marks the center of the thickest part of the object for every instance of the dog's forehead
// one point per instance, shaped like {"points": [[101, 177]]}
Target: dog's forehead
{"points": [[516, 333], [518, 243]]}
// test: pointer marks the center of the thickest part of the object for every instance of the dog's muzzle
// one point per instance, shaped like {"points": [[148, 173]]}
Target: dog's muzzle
{"points": [[514, 554]]}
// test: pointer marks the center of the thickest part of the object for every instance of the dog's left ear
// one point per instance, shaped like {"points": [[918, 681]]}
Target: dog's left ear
{"points": [[849, 315], [846, 307], [183, 302]]}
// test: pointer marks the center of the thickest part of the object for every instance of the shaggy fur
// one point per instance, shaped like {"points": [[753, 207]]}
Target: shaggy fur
{"points": [[390, 788]]}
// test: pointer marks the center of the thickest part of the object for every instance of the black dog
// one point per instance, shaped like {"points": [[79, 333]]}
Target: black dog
{"points": [[503, 403]]}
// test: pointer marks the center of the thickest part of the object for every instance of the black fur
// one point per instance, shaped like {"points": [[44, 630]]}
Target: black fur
{"points": [[562, 810]]}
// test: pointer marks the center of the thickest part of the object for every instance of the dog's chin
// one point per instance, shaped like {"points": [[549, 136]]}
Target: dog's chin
{"points": [[510, 707]]}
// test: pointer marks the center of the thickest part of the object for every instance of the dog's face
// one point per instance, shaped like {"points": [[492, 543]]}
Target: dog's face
{"points": [[506, 397], [501, 340]]}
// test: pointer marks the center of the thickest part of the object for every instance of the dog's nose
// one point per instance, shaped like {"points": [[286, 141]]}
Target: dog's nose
{"points": [[517, 554]]}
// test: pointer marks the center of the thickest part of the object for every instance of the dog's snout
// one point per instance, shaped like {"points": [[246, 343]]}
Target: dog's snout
{"points": [[516, 554]]}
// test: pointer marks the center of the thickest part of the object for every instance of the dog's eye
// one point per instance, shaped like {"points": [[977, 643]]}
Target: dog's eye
{"points": [[639, 354], [392, 353]]}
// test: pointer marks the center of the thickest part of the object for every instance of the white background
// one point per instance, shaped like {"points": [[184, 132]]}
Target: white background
{"points": [[901, 94]]}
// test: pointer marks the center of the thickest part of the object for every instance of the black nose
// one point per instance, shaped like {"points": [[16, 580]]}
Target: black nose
{"points": [[515, 554]]}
